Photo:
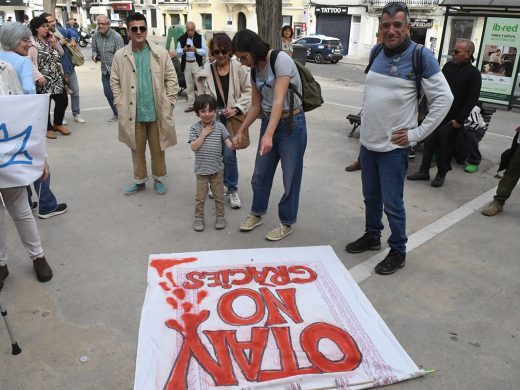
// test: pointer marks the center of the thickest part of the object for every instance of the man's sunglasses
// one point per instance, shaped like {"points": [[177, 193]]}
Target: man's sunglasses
{"points": [[457, 51], [396, 4], [219, 52], [134, 29]]}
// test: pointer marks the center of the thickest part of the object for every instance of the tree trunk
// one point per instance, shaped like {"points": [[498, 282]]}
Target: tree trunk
{"points": [[269, 18], [49, 6]]}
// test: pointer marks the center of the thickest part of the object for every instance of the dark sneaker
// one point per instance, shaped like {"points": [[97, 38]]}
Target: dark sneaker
{"points": [[4, 273], [411, 154], [418, 176], [364, 243], [355, 166], [62, 208], [438, 181], [42, 269], [392, 262]]}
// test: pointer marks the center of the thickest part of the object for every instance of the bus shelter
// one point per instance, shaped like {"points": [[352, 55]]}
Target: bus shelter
{"points": [[494, 27]]}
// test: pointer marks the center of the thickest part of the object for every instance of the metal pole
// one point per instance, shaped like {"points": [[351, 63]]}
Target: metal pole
{"points": [[14, 344], [447, 15]]}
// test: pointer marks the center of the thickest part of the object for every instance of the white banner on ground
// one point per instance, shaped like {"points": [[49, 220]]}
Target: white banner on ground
{"points": [[283, 318], [23, 127]]}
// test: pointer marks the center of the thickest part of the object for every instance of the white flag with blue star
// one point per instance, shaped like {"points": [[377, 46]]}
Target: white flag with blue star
{"points": [[23, 127]]}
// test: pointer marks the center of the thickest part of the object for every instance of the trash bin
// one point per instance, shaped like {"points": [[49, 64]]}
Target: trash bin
{"points": [[299, 54]]}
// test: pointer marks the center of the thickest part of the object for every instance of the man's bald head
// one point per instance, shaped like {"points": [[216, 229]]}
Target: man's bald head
{"points": [[190, 29]]}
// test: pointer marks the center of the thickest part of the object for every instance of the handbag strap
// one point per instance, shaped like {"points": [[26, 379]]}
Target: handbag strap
{"points": [[218, 83]]}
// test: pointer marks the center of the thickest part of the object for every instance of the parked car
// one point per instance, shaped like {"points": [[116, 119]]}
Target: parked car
{"points": [[321, 48]]}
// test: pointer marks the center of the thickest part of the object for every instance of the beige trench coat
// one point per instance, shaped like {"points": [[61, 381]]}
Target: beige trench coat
{"points": [[239, 94], [123, 81]]}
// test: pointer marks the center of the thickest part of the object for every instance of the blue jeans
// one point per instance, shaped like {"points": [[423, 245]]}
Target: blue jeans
{"points": [[47, 201], [289, 148], [74, 97], [230, 164], [382, 175], [105, 78]]}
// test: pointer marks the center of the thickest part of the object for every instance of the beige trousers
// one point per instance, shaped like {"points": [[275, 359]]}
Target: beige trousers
{"points": [[216, 181], [148, 131], [17, 204], [190, 71]]}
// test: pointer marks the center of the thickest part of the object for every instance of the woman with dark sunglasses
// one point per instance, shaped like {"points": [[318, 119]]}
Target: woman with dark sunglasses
{"points": [[229, 83]]}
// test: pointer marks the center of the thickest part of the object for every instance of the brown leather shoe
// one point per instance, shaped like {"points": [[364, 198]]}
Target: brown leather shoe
{"points": [[355, 166], [61, 129], [42, 269], [51, 134], [4, 273], [189, 109]]}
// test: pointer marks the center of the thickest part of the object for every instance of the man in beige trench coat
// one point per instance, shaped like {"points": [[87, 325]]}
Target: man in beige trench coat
{"points": [[145, 89]]}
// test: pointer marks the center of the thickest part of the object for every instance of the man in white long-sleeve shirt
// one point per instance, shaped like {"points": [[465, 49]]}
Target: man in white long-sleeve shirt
{"points": [[192, 49], [389, 126]]}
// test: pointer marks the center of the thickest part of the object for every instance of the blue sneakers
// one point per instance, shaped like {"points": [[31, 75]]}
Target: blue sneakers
{"points": [[159, 188], [134, 189]]}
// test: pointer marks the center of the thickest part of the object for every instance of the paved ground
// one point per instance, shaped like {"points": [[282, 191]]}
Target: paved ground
{"points": [[454, 307]]}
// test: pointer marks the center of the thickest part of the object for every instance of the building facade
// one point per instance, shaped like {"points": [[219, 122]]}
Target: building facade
{"points": [[356, 22]]}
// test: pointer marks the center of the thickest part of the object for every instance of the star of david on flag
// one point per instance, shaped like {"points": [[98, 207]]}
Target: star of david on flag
{"points": [[23, 124]]}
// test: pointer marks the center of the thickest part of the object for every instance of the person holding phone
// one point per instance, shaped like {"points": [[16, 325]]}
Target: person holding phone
{"points": [[192, 47]]}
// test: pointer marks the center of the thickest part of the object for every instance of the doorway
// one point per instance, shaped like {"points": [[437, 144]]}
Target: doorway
{"points": [[242, 21], [418, 35]]}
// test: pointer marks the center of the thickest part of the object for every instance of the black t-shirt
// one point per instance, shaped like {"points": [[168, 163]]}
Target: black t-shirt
{"points": [[224, 80]]}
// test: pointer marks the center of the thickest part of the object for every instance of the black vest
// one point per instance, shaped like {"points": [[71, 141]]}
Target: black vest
{"points": [[197, 42]]}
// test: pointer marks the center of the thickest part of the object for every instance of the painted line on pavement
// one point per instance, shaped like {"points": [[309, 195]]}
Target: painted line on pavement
{"points": [[344, 105], [359, 108], [365, 269], [333, 103], [499, 135]]}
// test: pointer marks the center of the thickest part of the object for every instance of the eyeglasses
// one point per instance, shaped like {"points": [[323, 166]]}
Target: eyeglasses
{"points": [[396, 4], [457, 51], [243, 58], [219, 52], [134, 29]]}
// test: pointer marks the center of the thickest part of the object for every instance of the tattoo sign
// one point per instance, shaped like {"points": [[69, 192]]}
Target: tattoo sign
{"points": [[277, 319], [23, 125]]}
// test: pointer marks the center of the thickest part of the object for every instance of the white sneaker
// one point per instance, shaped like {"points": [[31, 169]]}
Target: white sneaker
{"points": [[64, 122], [79, 119], [234, 200], [210, 193]]}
